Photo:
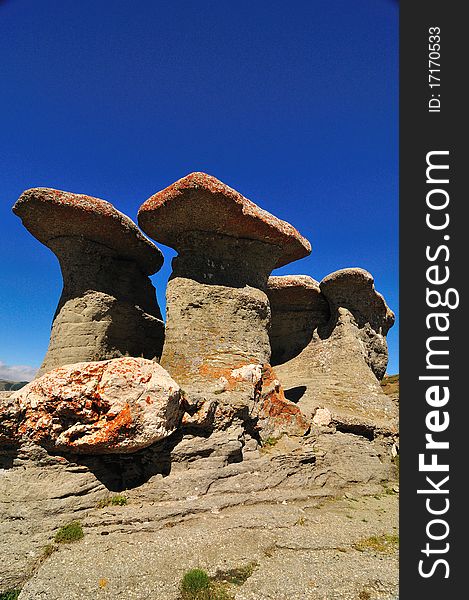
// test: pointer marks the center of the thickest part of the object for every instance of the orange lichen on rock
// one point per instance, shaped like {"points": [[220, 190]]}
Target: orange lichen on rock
{"points": [[200, 202], [276, 414], [50, 214], [118, 405]]}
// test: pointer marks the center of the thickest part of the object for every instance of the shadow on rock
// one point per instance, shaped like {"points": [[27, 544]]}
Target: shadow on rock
{"points": [[119, 472]]}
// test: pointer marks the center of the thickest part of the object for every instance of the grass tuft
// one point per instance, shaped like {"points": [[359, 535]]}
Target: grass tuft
{"points": [[197, 585], [10, 595], [117, 500], [269, 442], [386, 543], [69, 533]]}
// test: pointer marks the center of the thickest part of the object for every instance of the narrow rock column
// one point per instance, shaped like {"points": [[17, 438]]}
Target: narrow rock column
{"points": [[218, 313], [108, 307], [298, 309], [334, 377]]}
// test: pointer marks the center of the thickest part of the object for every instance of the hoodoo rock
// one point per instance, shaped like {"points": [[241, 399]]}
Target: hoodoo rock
{"points": [[334, 377], [298, 309], [218, 313], [354, 290], [108, 306], [111, 406]]}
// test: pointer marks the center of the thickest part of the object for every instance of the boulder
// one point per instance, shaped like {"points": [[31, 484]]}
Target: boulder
{"points": [[108, 306], [111, 406], [250, 397]]}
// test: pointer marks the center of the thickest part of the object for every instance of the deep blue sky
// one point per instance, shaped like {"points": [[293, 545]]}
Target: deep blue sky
{"points": [[293, 104]]}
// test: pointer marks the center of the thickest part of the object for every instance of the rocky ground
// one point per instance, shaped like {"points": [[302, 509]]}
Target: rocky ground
{"points": [[299, 549], [306, 518]]}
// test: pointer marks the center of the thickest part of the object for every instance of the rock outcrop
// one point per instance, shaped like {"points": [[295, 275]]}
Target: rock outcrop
{"points": [[181, 481], [240, 460], [111, 406], [218, 314], [108, 306], [354, 290], [298, 309], [333, 378]]}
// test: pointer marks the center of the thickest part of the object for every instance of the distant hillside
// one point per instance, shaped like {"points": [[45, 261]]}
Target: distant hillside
{"points": [[11, 386], [390, 386]]}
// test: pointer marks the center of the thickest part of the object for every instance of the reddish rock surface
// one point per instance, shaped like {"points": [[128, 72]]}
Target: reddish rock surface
{"points": [[251, 392], [49, 214], [200, 202], [276, 414], [111, 406]]}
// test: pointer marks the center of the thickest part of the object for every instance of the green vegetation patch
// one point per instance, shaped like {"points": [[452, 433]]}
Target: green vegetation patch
{"points": [[69, 533], [197, 585], [236, 576], [10, 595], [386, 543], [269, 442], [117, 500]]}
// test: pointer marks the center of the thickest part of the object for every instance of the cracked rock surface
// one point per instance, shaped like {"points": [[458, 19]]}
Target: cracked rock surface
{"points": [[216, 501]]}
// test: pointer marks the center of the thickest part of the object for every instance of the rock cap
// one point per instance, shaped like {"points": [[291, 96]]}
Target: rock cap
{"points": [[293, 292], [200, 202], [48, 213], [353, 288]]}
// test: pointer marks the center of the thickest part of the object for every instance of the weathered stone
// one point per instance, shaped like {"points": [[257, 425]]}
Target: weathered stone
{"points": [[298, 308], [112, 406], [277, 415], [174, 485], [212, 330], [250, 397], [354, 290], [108, 306], [217, 310], [9, 415], [332, 379], [200, 202]]}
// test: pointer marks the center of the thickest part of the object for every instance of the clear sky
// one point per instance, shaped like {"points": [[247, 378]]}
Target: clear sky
{"points": [[294, 104]]}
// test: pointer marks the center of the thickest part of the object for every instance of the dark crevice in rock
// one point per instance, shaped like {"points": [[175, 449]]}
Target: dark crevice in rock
{"points": [[119, 472], [362, 430], [296, 393]]}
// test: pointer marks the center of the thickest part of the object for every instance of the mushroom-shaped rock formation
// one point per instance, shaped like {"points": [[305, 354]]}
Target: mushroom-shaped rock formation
{"points": [[111, 406], [354, 290], [108, 306], [334, 378], [298, 308], [217, 311]]}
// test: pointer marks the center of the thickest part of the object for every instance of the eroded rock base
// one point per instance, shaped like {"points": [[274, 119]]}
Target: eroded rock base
{"points": [[331, 376], [211, 330]]}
